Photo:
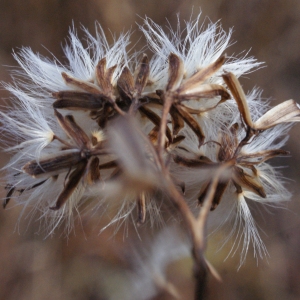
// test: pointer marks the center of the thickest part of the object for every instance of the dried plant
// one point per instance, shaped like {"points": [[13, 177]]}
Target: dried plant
{"points": [[118, 129]]}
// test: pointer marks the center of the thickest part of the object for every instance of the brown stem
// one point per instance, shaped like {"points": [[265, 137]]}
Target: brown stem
{"points": [[249, 134], [181, 205], [200, 269], [200, 274], [134, 105], [196, 227]]}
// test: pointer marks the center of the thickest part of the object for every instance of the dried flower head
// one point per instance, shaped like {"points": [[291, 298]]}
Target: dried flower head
{"points": [[173, 129]]}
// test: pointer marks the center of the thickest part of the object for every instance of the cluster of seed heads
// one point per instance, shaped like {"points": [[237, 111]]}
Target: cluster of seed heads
{"points": [[176, 128]]}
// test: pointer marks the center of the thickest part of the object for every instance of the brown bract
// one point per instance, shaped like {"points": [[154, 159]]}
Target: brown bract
{"points": [[78, 157], [242, 173], [285, 112], [179, 91], [98, 97], [131, 87]]}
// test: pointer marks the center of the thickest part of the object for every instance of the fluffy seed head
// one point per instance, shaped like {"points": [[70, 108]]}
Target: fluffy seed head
{"points": [[108, 129]]}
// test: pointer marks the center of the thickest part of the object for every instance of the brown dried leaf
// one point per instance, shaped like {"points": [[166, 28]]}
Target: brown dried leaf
{"points": [[125, 84], [176, 71], [109, 75], [285, 112], [142, 75], [247, 181], [191, 122], [83, 85], [53, 165], [71, 128], [177, 121], [155, 119], [220, 189], [104, 76], [203, 74], [259, 157], [204, 91], [93, 170], [78, 100], [239, 96], [78, 135], [100, 74]]}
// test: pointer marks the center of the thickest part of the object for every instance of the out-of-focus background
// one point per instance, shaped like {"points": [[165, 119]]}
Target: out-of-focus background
{"points": [[90, 266]]}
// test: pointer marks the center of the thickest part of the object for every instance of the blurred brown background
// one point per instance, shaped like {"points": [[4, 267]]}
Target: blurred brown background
{"points": [[84, 266]]}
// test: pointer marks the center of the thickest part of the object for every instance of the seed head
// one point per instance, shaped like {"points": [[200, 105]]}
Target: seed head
{"points": [[139, 133]]}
